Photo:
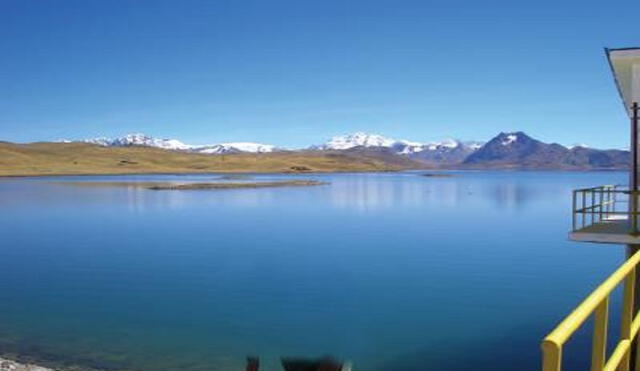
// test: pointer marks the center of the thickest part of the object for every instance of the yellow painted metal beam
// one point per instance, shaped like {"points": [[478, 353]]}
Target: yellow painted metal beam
{"points": [[597, 303], [572, 322], [620, 353], [599, 344], [552, 359]]}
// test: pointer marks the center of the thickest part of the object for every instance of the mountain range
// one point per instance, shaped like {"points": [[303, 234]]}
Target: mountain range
{"points": [[513, 150], [518, 150], [143, 140]]}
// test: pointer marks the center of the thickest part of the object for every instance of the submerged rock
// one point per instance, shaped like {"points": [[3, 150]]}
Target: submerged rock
{"points": [[7, 365]]}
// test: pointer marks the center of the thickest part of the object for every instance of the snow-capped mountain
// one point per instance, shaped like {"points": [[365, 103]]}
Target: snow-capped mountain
{"points": [[506, 150], [358, 139], [236, 147], [509, 147], [447, 151], [510, 138], [143, 140], [140, 139], [518, 150], [578, 145], [361, 139]]}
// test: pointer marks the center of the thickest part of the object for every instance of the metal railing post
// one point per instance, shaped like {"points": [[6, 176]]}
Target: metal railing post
{"points": [[609, 202], [633, 214], [634, 147], [599, 345], [551, 357], [592, 209], [600, 194], [573, 212], [628, 300], [584, 202]]}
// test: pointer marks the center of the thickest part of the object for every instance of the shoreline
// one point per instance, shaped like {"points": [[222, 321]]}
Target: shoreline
{"points": [[248, 172], [11, 365], [311, 172]]}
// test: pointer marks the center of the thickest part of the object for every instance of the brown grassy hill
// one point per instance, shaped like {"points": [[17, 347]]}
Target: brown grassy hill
{"points": [[81, 158]]}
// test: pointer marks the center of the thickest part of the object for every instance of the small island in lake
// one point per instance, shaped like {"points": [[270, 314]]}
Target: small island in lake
{"points": [[437, 175], [236, 185], [170, 186]]}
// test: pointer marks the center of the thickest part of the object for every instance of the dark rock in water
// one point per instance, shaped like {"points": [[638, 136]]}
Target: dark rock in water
{"points": [[437, 175], [324, 364], [127, 162], [253, 364], [300, 168], [235, 177]]}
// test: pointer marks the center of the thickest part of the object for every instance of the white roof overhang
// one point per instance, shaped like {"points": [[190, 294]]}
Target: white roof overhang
{"points": [[625, 66]]}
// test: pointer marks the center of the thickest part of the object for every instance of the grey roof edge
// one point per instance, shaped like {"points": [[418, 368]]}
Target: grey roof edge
{"points": [[626, 48], [607, 52]]}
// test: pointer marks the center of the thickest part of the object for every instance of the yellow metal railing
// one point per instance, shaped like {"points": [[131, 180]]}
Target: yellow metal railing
{"points": [[598, 304]]}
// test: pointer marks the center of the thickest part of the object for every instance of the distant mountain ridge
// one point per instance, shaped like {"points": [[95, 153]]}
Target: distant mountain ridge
{"points": [[504, 151], [447, 152], [338, 143], [139, 139], [518, 150], [361, 139]]}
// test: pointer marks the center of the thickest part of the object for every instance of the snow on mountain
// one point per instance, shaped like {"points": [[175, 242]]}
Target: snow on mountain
{"points": [[578, 145], [448, 151], [236, 147], [447, 143], [518, 150], [506, 150], [101, 141], [403, 147], [358, 139], [139, 139], [509, 138], [474, 145], [408, 148], [345, 142]]}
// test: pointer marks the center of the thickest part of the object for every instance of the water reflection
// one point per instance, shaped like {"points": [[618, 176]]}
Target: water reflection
{"points": [[368, 193], [363, 192], [390, 271]]}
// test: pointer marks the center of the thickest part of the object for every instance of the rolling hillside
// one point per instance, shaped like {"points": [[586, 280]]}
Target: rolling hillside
{"points": [[46, 158]]}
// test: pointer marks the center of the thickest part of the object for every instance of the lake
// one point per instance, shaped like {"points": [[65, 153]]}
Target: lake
{"points": [[391, 271]]}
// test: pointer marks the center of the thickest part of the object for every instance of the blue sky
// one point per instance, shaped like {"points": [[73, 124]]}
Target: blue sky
{"points": [[294, 73]]}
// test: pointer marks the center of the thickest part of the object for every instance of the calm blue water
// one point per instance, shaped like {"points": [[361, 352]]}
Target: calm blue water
{"points": [[391, 271]]}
